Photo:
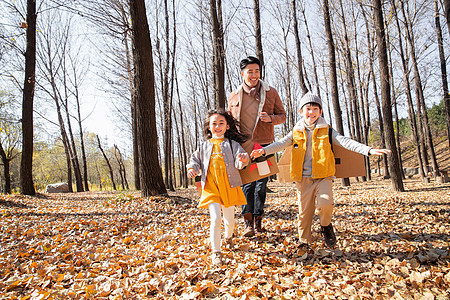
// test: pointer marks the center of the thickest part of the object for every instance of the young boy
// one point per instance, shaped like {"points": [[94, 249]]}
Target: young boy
{"points": [[313, 166]]}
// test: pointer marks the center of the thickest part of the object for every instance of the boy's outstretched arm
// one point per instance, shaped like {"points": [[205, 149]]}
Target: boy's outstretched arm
{"points": [[379, 151]]}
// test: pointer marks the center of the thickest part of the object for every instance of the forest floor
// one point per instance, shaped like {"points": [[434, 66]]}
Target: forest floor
{"points": [[117, 245]]}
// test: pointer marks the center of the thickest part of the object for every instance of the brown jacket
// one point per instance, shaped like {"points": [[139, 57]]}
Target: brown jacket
{"points": [[263, 132]]}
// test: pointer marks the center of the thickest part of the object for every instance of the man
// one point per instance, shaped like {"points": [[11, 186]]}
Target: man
{"points": [[257, 107]]}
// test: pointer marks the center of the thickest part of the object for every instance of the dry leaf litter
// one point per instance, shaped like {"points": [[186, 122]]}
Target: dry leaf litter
{"points": [[117, 245]]}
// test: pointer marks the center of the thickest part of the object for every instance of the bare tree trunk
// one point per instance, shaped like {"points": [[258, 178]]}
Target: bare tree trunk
{"points": [[419, 93], [258, 37], [299, 49], [111, 172], [80, 127], [316, 76], [394, 165], [440, 41], [350, 72], [182, 145], [129, 63], [394, 98], [26, 163], [219, 53], [447, 13], [333, 76], [167, 107], [122, 168], [6, 169], [411, 113], [152, 182]]}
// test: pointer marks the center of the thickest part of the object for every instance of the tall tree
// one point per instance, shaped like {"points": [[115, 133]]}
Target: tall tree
{"points": [[440, 41], [419, 90], [411, 113], [333, 75], [299, 48], [219, 53], [447, 13], [152, 182], [26, 164], [394, 165], [258, 37]]}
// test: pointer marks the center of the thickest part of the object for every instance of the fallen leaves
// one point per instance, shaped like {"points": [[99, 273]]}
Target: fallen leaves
{"points": [[121, 246]]}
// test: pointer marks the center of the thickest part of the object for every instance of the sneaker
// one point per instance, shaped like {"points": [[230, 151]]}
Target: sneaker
{"points": [[328, 235], [216, 258]]}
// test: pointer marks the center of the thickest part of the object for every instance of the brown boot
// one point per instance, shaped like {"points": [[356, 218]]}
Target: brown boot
{"points": [[248, 220], [258, 225]]}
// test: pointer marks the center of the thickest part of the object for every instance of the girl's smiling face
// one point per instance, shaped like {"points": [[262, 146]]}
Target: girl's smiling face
{"points": [[310, 113], [218, 125]]}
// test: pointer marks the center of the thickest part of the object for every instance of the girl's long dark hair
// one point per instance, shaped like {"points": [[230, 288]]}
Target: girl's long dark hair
{"points": [[232, 133]]}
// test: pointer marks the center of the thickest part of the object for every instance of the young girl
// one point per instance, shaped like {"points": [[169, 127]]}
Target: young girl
{"points": [[218, 160]]}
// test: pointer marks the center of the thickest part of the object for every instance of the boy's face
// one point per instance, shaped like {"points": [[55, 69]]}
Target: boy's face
{"points": [[310, 113], [251, 75]]}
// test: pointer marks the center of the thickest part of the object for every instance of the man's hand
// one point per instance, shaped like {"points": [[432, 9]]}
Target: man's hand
{"points": [[264, 117]]}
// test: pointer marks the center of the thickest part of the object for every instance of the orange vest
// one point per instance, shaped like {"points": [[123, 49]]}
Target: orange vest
{"points": [[323, 164]]}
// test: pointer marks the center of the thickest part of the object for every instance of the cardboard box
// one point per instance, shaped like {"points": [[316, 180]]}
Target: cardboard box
{"points": [[348, 164], [250, 172]]}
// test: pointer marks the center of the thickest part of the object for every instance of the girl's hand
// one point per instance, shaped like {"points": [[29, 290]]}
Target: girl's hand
{"points": [[242, 157], [191, 173], [379, 151], [257, 153]]}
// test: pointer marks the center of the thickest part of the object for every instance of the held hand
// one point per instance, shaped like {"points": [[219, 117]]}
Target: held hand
{"points": [[242, 157], [257, 153], [379, 151], [264, 117], [191, 173]]}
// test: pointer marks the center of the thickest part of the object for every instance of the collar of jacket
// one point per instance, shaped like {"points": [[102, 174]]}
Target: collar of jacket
{"points": [[321, 123], [264, 86]]}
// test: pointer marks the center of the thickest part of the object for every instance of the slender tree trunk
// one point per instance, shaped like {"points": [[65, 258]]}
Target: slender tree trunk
{"points": [[316, 76], [26, 163], [394, 98], [122, 168], [219, 53], [111, 172], [447, 13], [129, 63], [411, 113], [83, 149], [167, 107], [152, 182], [6, 169], [394, 165], [299, 48], [184, 181], [350, 72], [419, 93], [290, 103], [333, 76], [258, 37], [440, 41]]}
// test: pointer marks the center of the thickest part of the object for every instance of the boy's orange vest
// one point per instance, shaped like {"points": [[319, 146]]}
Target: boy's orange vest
{"points": [[323, 164]]}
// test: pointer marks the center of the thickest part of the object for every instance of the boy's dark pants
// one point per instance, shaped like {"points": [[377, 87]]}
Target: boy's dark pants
{"points": [[312, 194]]}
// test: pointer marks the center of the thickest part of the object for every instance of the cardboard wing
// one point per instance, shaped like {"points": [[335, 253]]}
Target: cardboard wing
{"points": [[348, 164], [250, 172]]}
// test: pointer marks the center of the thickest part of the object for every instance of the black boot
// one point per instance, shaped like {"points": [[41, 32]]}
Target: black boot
{"points": [[328, 235]]}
